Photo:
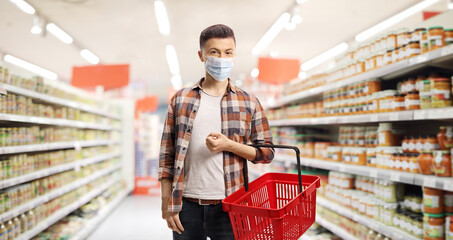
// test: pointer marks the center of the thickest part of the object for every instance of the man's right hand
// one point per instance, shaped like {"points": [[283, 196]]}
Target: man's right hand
{"points": [[173, 221]]}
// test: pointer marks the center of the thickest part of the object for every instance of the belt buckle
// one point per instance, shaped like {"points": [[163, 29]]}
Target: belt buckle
{"points": [[199, 202]]}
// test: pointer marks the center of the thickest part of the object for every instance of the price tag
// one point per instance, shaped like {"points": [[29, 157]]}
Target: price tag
{"points": [[374, 118], [374, 173], [395, 177], [448, 185], [77, 146], [394, 116], [342, 168], [429, 182], [447, 50], [419, 114]]}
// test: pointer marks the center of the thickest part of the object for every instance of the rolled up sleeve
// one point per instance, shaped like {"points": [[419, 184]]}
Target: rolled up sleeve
{"points": [[261, 134]]}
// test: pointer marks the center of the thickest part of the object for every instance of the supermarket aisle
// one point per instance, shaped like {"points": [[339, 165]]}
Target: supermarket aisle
{"points": [[137, 218]]}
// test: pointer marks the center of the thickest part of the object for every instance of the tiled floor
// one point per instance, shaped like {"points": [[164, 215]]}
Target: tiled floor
{"points": [[136, 218]]}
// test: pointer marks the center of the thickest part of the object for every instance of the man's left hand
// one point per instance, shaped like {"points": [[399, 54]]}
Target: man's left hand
{"points": [[217, 142]]}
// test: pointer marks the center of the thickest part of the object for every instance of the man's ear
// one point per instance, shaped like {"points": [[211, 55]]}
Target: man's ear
{"points": [[200, 55]]}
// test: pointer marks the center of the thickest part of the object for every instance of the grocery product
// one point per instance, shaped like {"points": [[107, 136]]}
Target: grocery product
{"points": [[433, 200]]}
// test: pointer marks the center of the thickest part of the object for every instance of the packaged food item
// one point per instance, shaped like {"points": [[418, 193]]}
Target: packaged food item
{"points": [[424, 43], [434, 226], [440, 92], [433, 200], [10, 227], [448, 35], [17, 227], [412, 101], [24, 223], [387, 135], [425, 94], [442, 163], [425, 161], [436, 37], [398, 103]]}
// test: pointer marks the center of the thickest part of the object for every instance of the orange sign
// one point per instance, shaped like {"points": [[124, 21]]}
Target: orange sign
{"points": [[277, 70], [109, 76], [147, 186], [146, 104]]}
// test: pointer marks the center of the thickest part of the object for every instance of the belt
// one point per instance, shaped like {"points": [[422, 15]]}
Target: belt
{"points": [[203, 202]]}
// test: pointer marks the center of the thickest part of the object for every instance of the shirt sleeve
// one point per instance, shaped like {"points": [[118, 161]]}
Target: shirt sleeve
{"points": [[167, 146], [261, 134]]}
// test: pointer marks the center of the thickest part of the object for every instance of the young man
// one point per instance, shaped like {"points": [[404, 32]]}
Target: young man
{"points": [[203, 143]]}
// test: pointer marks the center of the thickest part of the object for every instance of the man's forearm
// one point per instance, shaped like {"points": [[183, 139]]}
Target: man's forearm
{"points": [[165, 184], [242, 150]]}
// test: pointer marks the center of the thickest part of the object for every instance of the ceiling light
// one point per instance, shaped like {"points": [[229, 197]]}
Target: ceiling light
{"points": [[303, 75], [255, 72], [271, 33], [172, 60], [290, 26], [176, 82], [30, 67], [273, 54], [37, 25], [324, 56], [162, 18], [301, 1], [58, 33], [89, 56], [296, 19], [393, 20], [450, 4], [24, 6]]}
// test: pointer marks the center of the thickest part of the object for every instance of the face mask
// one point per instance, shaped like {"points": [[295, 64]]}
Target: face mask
{"points": [[219, 68]]}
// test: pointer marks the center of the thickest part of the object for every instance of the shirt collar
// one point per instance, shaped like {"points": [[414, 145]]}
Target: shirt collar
{"points": [[231, 87]]}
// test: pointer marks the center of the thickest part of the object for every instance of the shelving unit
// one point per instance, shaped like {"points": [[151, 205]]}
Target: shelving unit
{"points": [[56, 101], [65, 211], [444, 183], [54, 194], [53, 122], [340, 232], [89, 227], [414, 115], [57, 169], [56, 146], [394, 70], [388, 231]]}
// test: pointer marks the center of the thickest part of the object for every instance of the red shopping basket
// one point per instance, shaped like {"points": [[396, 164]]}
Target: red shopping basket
{"points": [[277, 206]]}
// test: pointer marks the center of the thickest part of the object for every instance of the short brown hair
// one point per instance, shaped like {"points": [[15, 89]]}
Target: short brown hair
{"points": [[216, 31]]}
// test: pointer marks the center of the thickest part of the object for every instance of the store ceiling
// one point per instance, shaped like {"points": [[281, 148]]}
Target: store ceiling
{"points": [[125, 31]]}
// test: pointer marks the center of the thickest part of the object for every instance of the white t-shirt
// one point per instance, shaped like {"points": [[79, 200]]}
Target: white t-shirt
{"points": [[203, 170]]}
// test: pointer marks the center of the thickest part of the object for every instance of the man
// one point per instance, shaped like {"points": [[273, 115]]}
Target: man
{"points": [[203, 143]]}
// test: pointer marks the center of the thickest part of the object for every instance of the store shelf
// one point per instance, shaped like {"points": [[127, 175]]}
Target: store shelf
{"points": [[388, 231], [54, 194], [89, 227], [54, 121], [56, 146], [391, 71], [57, 101], [414, 115], [340, 232], [57, 169], [65, 211], [445, 183]]}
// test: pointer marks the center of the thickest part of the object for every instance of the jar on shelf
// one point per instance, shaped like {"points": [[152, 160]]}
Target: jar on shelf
{"points": [[417, 34], [436, 37], [440, 92], [442, 163], [404, 51], [358, 156], [433, 226], [420, 144], [419, 82], [433, 200], [425, 161], [387, 135], [396, 54], [448, 36], [412, 101], [388, 57], [430, 143], [424, 43], [371, 157], [413, 49], [448, 202], [405, 144], [334, 153], [398, 103], [414, 165]]}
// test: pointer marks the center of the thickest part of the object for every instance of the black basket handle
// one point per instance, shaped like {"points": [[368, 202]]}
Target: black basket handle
{"points": [[246, 172]]}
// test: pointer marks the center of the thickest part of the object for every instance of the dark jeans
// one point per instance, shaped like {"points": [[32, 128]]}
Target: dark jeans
{"points": [[200, 222]]}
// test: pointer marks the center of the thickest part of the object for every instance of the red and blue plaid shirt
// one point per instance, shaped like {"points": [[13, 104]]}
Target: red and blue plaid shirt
{"points": [[243, 121]]}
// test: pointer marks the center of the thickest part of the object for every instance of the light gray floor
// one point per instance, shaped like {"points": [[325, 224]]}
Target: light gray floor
{"points": [[136, 218]]}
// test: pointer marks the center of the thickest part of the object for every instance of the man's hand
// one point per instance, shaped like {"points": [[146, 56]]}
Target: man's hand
{"points": [[172, 218], [217, 142]]}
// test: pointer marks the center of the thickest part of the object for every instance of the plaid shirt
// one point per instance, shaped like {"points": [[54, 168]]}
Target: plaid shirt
{"points": [[243, 121]]}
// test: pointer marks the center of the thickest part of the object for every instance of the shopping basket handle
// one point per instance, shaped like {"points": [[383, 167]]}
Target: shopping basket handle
{"points": [[245, 169]]}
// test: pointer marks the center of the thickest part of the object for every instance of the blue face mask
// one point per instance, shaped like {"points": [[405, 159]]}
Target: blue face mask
{"points": [[219, 68]]}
